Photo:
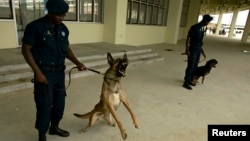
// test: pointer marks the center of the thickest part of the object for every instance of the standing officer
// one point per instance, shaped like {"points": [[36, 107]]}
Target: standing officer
{"points": [[45, 48], [194, 48]]}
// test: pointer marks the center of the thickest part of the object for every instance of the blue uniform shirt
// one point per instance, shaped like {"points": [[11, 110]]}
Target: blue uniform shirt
{"points": [[49, 45], [196, 34]]}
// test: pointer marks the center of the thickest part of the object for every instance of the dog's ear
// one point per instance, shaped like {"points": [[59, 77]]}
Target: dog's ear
{"points": [[125, 57], [110, 58]]}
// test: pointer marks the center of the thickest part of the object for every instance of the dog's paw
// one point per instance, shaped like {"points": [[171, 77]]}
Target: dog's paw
{"points": [[124, 135], [82, 131], [136, 123], [114, 125]]}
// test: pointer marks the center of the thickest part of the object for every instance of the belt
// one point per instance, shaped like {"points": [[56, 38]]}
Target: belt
{"points": [[52, 69]]}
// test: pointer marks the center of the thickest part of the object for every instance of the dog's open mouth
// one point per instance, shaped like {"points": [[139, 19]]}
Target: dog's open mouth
{"points": [[214, 64], [122, 69]]}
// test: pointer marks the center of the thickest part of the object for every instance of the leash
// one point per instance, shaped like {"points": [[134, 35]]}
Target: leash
{"points": [[98, 72], [95, 71], [204, 59]]}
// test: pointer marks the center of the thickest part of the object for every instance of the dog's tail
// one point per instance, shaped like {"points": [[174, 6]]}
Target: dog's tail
{"points": [[83, 116]]}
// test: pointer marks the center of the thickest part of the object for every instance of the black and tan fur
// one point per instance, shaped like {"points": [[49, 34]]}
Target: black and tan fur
{"points": [[112, 95], [202, 71]]}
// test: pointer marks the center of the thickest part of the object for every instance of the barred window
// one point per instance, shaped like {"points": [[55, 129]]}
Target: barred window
{"points": [[147, 12], [6, 9]]}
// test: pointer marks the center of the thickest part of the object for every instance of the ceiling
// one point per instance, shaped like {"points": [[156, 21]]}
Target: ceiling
{"points": [[224, 6]]}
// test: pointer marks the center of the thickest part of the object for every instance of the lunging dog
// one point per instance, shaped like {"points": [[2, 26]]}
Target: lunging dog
{"points": [[112, 95], [202, 71]]}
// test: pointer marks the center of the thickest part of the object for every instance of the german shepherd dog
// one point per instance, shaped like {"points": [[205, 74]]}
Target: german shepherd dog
{"points": [[202, 71], [112, 95]]}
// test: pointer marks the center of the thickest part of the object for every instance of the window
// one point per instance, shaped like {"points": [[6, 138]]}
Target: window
{"points": [[160, 14], [149, 15], [142, 14], [134, 12], [91, 10], [72, 12], [128, 12], [147, 12], [6, 9], [98, 10], [184, 13]]}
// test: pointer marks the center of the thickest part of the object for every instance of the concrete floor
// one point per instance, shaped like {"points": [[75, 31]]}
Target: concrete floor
{"points": [[166, 111]]}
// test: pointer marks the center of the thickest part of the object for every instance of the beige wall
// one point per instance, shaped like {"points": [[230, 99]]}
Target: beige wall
{"points": [[143, 35], [182, 33], [109, 21], [8, 35], [85, 32]]}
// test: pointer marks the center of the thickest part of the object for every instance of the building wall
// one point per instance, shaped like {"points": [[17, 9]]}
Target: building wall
{"points": [[113, 30], [85, 32], [8, 36], [142, 35], [182, 33]]}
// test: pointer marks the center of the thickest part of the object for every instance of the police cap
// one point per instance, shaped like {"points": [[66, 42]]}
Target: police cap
{"points": [[57, 7], [207, 18]]}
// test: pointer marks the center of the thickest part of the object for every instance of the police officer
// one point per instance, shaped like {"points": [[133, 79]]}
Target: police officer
{"points": [[45, 48], [194, 48]]}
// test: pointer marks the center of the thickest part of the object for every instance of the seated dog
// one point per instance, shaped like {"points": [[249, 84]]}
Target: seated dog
{"points": [[112, 95], [202, 71]]}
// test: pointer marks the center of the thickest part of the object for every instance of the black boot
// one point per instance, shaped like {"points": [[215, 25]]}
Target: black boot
{"points": [[42, 137], [187, 86], [55, 130]]}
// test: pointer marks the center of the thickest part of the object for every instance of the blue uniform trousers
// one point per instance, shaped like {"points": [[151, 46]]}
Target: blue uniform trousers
{"points": [[192, 63], [50, 100]]}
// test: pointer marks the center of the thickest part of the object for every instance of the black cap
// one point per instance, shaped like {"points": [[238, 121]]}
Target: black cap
{"points": [[57, 7], [207, 18]]}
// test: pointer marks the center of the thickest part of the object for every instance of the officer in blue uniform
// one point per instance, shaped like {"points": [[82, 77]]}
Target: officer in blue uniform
{"points": [[194, 48], [45, 48]]}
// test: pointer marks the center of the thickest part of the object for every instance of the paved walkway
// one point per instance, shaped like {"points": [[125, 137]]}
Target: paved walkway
{"points": [[166, 111]]}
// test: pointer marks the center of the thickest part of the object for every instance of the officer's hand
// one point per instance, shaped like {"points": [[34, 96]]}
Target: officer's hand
{"points": [[40, 78], [81, 67]]}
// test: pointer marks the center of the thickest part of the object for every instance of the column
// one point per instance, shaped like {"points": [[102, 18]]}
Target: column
{"points": [[192, 15], [115, 21], [173, 21], [233, 22], [246, 30], [218, 27]]}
